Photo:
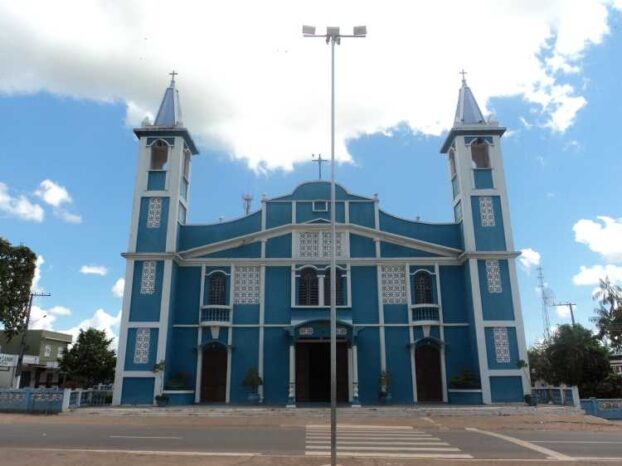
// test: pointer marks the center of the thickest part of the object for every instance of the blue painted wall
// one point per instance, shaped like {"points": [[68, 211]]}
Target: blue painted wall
{"points": [[279, 246], [131, 345], [182, 355], [398, 363], [151, 239], [360, 246], [364, 295], [246, 314], [496, 306], [252, 250], [276, 366], [362, 213], [156, 180], [396, 313], [192, 236], [244, 357], [490, 349], [146, 307], [444, 234], [187, 295], [368, 348], [394, 250], [506, 389], [483, 178], [137, 390], [488, 238], [459, 352], [453, 294], [278, 213], [278, 295], [304, 212], [316, 190]]}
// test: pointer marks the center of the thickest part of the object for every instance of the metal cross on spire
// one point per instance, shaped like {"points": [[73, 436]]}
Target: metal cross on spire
{"points": [[318, 158], [463, 73], [173, 74]]}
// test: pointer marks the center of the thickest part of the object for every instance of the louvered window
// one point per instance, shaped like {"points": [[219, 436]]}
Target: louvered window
{"points": [[423, 288], [340, 279], [217, 289], [308, 289]]}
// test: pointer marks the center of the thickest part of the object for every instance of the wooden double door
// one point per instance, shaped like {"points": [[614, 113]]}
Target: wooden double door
{"points": [[429, 378], [214, 374], [313, 372]]}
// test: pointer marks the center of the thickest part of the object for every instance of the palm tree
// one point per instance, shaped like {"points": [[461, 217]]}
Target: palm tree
{"points": [[608, 316]]}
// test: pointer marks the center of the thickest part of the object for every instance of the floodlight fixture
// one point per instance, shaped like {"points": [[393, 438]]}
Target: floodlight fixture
{"points": [[360, 31], [308, 30], [332, 31]]}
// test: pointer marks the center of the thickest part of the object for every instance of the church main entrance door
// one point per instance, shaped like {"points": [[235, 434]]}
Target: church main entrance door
{"points": [[313, 372], [429, 381], [214, 374]]}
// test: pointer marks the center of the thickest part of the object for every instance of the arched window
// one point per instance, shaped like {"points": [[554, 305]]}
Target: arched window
{"points": [[340, 297], [308, 290], [159, 155], [452, 163], [423, 288], [479, 154], [217, 289]]}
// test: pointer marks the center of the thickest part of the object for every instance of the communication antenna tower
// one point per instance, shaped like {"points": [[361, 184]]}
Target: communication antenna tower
{"points": [[545, 294], [247, 201]]}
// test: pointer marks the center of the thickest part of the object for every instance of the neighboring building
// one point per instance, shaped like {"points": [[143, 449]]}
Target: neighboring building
{"points": [[40, 365], [615, 361], [425, 302]]}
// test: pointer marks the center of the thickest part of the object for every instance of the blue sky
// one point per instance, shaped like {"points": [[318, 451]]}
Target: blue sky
{"points": [[561, 159]]}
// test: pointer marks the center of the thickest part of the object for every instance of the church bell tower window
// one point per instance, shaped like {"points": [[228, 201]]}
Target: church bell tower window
{"points": [[159, 155], [480, 154]]}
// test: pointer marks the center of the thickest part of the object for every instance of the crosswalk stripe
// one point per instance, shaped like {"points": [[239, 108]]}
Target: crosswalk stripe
{"points": [[372, 441]]}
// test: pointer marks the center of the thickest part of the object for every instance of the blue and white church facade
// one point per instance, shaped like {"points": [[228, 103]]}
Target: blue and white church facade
{"points": [[433, 306]]}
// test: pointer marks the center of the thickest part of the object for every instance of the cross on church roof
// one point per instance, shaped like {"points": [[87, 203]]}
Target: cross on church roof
{"points": [[318, 158], [173, 74], [463, 73]]}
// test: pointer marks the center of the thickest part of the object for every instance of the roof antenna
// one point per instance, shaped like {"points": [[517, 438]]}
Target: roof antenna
{"points": [[247, 201]]}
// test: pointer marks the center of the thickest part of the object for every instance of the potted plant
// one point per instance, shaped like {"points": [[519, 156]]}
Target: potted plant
{"points": [[160, 399], [465, 381], [252, 381], [385, 386]]}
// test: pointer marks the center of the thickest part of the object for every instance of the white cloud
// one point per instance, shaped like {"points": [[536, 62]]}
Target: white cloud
{"points": [[56, 195], [52, 193], [19, 206], [592, 275], [563, 311], [603, 237], [37, 276], [259, 90], [100, 320], [41, 319], [118, 288], [529, 259], [94, 270]]}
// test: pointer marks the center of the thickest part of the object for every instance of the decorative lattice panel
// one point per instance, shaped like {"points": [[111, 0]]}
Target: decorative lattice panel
{"points": [[502, 345], [246, 285], [318, 244], [493, 276], [327, 243], [141, 349], [148, 278], [486, 211], [154, 212], [393, 284]]}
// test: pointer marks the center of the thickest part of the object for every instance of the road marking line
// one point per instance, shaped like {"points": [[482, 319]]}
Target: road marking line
{"points": [[144, 452], [358, 426], [371, 437], [393, 455], [327, 447], [523, 443], [363, 442], [144, 437], [573, 441]]}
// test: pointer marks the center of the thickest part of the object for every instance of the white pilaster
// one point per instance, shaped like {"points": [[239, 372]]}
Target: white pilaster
{"points": [[125, 317], [262, 311], [479, 331], [164, 318], [437, 272], [383, 349]]}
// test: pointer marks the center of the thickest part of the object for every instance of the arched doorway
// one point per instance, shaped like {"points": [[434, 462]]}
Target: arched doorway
{"points": [[214, 373], [429, 378]]}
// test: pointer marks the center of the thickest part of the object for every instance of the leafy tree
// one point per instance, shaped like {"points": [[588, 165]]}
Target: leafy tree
{"points": [[90, 360], [539, 364], [17, 269], [608, 316], [576, 357]]}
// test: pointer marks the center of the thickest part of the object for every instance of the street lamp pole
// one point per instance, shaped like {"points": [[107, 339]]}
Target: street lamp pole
{"points": [[571, 307], [333, 37]]}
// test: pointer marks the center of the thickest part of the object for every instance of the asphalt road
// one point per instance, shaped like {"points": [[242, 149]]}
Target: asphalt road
{"points": [[312, 440]]}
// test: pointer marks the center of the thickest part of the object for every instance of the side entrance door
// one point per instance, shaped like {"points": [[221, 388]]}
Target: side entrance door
{"points": [[214, 374]]}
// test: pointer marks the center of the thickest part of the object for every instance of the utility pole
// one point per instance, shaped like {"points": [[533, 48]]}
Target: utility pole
{"points": [[247, 200], [571, 307], [333, 37], [546, 321], [22, 346]]}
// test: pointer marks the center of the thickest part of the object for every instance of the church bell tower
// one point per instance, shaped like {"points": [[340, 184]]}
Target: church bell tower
{"points": [[480, 205]]}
